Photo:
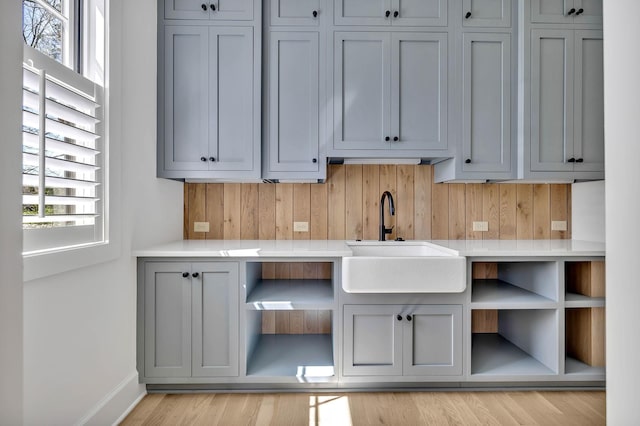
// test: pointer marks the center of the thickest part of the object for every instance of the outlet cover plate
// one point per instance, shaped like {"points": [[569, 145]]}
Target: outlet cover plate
{"points": [[200, 226], [480, 226], [300, 226], [558, 225]]}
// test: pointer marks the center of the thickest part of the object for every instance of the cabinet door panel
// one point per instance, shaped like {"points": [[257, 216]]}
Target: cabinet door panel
{"points": [[420, 12], [240, 10], [592, 11], [167, 308], [231, 98], [185, 9], [293, 102], [433, 341], [486, 105], [362, 12], [551, 100], [551, 11], [186, 103], [371, 341], [362, 90], [419, 91], [295, 12], [215, 319], [486, 13], [589, 101]]}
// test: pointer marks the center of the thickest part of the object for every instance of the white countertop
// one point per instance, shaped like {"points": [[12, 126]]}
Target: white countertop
{"points": [[339, 248]]}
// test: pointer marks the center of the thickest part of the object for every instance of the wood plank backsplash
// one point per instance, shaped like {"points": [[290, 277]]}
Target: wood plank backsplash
{"points": [[346, 206]]}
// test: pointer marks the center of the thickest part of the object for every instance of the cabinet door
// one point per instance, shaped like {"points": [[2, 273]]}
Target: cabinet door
{"points": [[433, 341], [228, 10], [362, 90], [552, 100], [187, 9], [231, 94], [372, 340], [363, 12], [167, 319], [551, 11], [486, 13], [419, 91], [293, 101], [589, 102], [591, 12], [419, 12], [486, 107], [186, 104], [296, 12], [215, 319]]}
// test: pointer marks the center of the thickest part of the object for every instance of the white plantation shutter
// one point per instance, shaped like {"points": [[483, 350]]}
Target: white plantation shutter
{"points": [[61, 156]]}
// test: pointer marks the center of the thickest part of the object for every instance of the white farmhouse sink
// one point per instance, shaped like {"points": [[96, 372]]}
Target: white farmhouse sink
{"points": [[402, 267]]}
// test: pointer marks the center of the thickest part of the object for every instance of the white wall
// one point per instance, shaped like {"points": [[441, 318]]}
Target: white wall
{"points": [[588, 211], [622, 113], [10, 212], [79, 327]]}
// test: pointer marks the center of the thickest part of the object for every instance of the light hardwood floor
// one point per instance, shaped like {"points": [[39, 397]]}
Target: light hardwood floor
{"points": [[388, 408]]}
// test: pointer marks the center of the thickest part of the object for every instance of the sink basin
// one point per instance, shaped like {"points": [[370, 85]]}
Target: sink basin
{"points": [[402, 267]]}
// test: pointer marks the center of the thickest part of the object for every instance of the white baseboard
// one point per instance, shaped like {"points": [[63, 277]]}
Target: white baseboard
{"points": [[115, 406]]}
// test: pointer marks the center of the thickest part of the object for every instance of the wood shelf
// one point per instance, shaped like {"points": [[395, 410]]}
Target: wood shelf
{"points": [[278, 294], [498, 294], [307, 357], [493, 355], [574, 300]]}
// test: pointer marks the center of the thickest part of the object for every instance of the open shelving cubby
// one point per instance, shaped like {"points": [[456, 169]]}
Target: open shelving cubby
{"points": [[289, 310]]}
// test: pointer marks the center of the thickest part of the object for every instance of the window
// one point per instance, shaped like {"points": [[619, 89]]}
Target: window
{"points": [[64, 149]]}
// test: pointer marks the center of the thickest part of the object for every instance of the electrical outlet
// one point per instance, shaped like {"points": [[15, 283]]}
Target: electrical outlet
{"points": [[200, 226], [481, 226], [300, 226], [558, 225]]}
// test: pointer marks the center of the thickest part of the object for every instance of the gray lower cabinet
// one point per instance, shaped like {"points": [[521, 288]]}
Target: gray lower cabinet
{"points": [[390, 94], [293, 145], [567, 103], [190, 319], [208, 122], [214, 10], [566, 12], [397, 340], [391, 12], [297, 12], [486, 13]]}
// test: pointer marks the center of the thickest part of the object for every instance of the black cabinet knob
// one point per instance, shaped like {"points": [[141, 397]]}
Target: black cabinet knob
{"points": [[571, 160], [212, 159], [580, 160], [315, 160], [213, 7], [580, 11], [315, 13], [185, 274], [409, 318], [571, 11], [467, 15], [399, 317], [467, 161], [387, 138], [203, 158], [204, 7], [396, 139], [195, 275], [395, 14], [387, 13]]}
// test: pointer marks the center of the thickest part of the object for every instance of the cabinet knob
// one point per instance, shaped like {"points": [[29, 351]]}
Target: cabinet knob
{"points": [[395, 14], [212, 159], [315, 160], [467, 161], [195, 275], [467, 15], [399, 317], [396, 139], [571, 11], [315, 13], [387, 13], [204, 7], [203, 158], [571, 160], [580, 11], [387, 138], [580, 160], [213, 7], [409, 318], [185, 274]]}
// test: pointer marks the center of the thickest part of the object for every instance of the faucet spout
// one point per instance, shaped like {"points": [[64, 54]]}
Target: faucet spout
{"points": [[392, 211]]}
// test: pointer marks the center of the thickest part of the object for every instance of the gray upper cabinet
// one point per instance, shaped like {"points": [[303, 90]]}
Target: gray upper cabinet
{"points": [[396, 340], [296, 12], [486, 13], [294, 108], [486, 104], [209, 117], [390, 92], [391, 12], [567, 117], [215, 10], [566, 11]]}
